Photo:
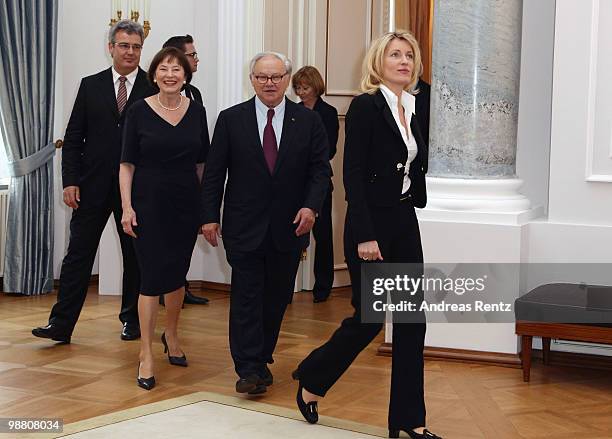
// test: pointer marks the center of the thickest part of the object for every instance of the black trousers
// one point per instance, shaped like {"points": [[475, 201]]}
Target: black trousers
{"points": [[86, 227], [399, 240], [262, 285], [324, 250]]}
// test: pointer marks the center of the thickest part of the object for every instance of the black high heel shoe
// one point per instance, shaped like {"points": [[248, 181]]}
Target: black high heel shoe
{"points": [[308, 409], [175, 361], [145, 383], [413, 434]]}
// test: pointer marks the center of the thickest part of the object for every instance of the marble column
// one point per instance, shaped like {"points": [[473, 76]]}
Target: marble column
{"points": [[474, 104]]}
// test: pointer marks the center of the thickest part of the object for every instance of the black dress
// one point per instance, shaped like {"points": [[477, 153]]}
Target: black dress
{"points": [[165, 191]]}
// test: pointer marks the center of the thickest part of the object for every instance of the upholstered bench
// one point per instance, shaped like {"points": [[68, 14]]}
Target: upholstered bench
{"points": [[577, 312]]}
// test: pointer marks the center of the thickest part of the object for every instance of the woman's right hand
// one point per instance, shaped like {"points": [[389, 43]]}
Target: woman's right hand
{"points": [[369, 251], [128, 220]]}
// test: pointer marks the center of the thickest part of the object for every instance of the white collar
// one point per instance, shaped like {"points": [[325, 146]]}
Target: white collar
{"points": [[408, 100], [263, 108], [131, 77]]}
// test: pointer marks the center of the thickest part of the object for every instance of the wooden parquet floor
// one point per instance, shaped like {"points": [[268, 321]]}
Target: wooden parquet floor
{"points": [[96, 374]]}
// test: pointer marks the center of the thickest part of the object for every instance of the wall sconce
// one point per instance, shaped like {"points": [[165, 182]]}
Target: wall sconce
{"points": [[133, 10]]}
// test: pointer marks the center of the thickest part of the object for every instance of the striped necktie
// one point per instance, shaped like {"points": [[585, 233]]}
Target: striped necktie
{"points": [[121, 94]]}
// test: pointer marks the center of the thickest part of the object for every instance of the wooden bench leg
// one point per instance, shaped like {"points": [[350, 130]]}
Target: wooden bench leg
{"points": [[526, 356], [546, 349]]}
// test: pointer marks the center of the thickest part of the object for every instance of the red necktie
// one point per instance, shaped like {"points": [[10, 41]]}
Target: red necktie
{"points": [[121, 94], [269, 142]]}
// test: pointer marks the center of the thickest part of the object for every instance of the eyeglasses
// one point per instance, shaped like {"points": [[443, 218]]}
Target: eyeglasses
{"points": [[263, 79], [127, 46], [194, 55]]}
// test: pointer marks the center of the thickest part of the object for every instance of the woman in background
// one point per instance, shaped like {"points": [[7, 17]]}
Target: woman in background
{"points": [[165, 143], [309, 86], [385, 161]]}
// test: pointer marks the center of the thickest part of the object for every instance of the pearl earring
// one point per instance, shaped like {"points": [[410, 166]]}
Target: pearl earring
{"points": [[155, 81]]}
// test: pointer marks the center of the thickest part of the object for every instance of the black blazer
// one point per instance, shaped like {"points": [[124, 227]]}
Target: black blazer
{"points": [[374, 159], [329, 116], [192, 92], [256, 201], [422, 108], [92, 144]]}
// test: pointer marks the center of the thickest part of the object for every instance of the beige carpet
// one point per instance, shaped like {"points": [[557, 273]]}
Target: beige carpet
{"points": [[211, 415]]}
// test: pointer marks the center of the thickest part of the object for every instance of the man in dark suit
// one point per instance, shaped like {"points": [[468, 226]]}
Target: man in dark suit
{"points": [[275, 154], [185, 43], [90, 173]]}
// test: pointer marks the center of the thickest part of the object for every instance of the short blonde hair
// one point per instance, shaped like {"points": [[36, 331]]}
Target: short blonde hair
{"points": [[311, 77], [373, 63]]}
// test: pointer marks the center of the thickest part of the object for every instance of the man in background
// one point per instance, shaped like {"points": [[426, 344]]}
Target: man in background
{"points": [[185, 43]]}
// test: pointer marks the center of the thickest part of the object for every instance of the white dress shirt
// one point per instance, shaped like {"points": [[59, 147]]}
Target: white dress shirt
{"points": [[261, 110], [408, 102], [129, 84]]}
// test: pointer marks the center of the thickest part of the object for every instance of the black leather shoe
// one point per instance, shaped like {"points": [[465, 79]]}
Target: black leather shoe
{"points": [[413, 434], [130, 332], [253, 385], [145, 383], [191, 299], [53, 332], [267, 377], [319, 299], [308, 409], [175, 361]]}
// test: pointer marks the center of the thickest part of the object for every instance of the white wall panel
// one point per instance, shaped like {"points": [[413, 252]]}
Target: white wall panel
{"points": [[579, 114]]}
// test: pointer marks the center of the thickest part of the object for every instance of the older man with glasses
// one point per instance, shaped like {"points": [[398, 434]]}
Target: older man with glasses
{"points": [[90, 174], [276, 159]]}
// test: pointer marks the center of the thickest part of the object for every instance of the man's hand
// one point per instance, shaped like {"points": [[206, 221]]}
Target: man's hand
{"points": [[128, 220], [72, 196], [211, 231], [305, 219]]}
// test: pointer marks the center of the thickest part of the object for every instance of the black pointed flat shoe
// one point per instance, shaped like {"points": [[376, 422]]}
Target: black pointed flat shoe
{"points": [[308, 409], [393, 433], [175, 361]]}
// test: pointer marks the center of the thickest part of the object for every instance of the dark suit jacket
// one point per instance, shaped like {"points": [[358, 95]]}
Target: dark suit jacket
{"points": [[192, 92], [374, 159], [256, 201], [329, 116], [92, 144], [422, 108]]}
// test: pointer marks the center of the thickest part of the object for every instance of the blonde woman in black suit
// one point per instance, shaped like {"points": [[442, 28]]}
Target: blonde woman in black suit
{"points": [[385, 161]]}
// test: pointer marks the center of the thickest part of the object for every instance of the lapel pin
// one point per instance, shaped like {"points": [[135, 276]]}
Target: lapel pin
{"points": [[292, 119]]}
